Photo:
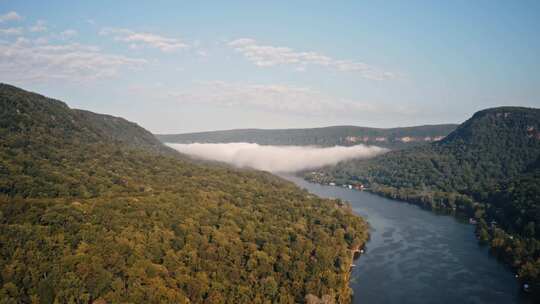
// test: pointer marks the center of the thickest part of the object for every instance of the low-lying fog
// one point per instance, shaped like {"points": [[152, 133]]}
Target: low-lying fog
{"points": [[276, 158]]}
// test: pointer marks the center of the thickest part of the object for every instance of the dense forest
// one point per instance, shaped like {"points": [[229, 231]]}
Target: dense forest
{"points": [[395, 138], [93, 209], [488, 168]]}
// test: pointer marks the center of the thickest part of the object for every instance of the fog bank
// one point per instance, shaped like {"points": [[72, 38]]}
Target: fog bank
{"points": [[276, 158]]}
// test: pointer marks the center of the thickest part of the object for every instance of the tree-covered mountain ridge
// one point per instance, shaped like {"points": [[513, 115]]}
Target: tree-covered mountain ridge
{"points": [[487, 168], [494, 145], [393, 138], [26, 105], [94, 209]]}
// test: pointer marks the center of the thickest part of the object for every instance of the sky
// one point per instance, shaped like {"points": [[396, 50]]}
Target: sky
{"points": [[187, 66]]}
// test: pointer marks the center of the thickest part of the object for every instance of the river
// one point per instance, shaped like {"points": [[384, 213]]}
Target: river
{"points": [[416, 256]]}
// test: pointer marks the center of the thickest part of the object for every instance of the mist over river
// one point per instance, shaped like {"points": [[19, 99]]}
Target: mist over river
{"points": [[276, 159], [416, 256]]}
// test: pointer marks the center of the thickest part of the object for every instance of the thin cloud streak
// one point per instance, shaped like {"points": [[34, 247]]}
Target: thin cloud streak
{"points": [[277, 159], [276, 98], [12, 31], [38, 60], [137, 39], [10, 16], [269, 56], [39, 27], [68, 34]]}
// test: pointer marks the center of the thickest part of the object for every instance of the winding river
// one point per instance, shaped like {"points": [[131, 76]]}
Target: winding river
{"points": [[416, 256]]}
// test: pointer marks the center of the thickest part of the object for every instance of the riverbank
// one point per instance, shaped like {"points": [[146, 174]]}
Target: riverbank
{"points": [[356, 248], [510, 249], [414, 256]]}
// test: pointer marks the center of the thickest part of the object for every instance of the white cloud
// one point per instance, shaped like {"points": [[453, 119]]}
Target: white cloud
{"points": [[136, 39], [10, 16], [272, 97], [15, 31], [38, 60], [39, 27], [202, 53], [277, 158], [68, 34], [268, 56]]}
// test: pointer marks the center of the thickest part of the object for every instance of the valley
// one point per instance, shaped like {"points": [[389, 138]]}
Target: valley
{"points": [[91, 183], [269, 152], [485, 171]]}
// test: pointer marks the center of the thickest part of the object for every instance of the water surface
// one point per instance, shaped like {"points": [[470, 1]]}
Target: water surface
{"points": [[416, 256]]}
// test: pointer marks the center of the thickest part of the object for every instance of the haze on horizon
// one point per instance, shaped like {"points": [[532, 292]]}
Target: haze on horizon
{"points": [[176, 67]]}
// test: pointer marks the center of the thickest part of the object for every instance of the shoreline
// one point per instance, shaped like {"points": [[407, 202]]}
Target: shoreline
{"points": [[458, 214], [356, 253]]}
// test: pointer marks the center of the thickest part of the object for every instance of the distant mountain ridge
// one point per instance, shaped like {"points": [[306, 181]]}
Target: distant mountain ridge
{"points": [[393, 138]]}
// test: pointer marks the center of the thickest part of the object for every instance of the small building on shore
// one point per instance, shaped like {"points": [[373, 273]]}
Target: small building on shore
{"points": [[359, 186]]}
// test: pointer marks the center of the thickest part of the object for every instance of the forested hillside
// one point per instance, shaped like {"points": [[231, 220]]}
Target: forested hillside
{"points": [[395, 138], [123, 131], [493, 145], [487, 168], [93, 209]]}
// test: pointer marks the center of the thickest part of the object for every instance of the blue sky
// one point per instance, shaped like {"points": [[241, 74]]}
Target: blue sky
{"points": [[178, 66]]}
